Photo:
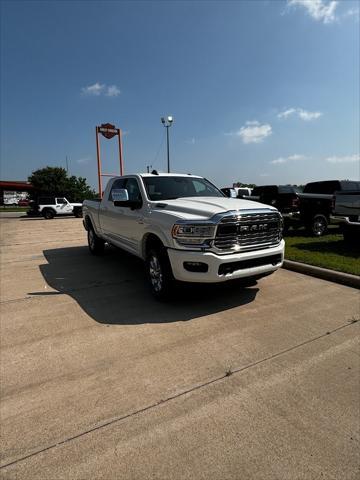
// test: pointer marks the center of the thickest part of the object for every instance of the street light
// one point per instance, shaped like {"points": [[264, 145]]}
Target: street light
{"points": [[167, 122]]}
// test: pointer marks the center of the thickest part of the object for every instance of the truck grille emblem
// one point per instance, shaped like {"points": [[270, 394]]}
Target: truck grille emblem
{"points": [[254, 228]]}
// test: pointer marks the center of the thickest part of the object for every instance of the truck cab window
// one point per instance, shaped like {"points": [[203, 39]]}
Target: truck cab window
{"points": [[133, 189]]}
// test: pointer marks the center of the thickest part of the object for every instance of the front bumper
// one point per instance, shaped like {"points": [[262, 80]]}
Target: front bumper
{"points": [[214, 261]]}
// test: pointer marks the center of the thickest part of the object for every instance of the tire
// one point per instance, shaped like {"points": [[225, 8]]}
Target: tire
{"points": [[96, 245], [48, 214], [319, 225], [159, 274], [78, 213]]}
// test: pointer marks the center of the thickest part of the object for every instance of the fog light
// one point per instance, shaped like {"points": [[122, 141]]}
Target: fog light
{"points": [[196, 267]]}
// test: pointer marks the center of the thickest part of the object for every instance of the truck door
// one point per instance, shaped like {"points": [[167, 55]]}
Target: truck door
{"points": [[62, 206], [123, 225]]}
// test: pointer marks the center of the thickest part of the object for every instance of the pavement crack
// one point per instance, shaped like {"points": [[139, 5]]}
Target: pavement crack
{"points": [[228, 373]]}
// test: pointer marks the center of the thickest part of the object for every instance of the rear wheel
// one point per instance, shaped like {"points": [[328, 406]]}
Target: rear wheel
{"points": [[159, 273], [48, 214], [319, 225], [78, 213], [95, 243]]}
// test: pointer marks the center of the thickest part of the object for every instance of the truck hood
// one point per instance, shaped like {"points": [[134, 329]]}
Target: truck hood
{"points": [[206, 207]]}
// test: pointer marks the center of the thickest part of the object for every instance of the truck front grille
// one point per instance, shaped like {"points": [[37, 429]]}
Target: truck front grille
{"points": [[248, 231]]}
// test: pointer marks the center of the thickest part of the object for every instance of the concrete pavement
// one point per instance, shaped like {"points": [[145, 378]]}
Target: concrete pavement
{"points": [[100, 381]]}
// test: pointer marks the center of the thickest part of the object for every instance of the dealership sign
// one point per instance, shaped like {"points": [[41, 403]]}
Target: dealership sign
{"points": [[108, 130]]}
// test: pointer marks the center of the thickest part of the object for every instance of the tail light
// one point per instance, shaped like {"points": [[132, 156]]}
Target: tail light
{"points": [[295, 202]]}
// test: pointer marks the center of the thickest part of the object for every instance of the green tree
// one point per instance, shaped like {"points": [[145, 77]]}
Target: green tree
{"points": [[240, 184], [54, 181]]}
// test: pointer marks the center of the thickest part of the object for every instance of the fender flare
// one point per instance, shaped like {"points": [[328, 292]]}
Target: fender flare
{"points": [[154, 232]]}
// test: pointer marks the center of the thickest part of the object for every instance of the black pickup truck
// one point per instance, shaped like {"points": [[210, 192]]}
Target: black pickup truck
{"points": [[347, 211], [284, 197], [317, 203]]}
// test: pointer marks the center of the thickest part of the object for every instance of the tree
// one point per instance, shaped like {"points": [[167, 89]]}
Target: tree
{"points": [[239, 184], [54, 181]]}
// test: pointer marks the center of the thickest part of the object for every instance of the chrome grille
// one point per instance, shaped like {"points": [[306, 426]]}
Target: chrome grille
{"points": [[248, 231]]}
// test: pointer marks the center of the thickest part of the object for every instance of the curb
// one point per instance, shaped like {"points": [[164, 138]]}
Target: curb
{"points": [[330, 275]]}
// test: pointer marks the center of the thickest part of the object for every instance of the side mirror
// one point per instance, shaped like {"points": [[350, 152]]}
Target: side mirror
{"points": [[119, 195]]}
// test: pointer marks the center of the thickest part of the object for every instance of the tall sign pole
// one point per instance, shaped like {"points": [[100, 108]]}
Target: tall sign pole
{"points": [[108, 131]]}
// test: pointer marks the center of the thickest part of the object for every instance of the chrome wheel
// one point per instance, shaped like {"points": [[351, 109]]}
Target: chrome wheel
{"points": [[155, 272], [319, 225]]}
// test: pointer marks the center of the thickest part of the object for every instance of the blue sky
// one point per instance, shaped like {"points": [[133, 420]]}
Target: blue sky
{"points": [[261, 91]]}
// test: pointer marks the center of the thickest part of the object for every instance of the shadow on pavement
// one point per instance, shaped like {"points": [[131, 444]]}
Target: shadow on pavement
{"points": [[112, 290], [40, 217]]}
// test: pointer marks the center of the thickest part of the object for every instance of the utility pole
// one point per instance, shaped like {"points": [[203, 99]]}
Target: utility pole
{"points": [[67, 164], [167, 122]]}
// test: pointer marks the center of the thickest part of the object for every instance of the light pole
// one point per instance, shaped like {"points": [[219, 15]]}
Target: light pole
{"points": [[167, 122]]}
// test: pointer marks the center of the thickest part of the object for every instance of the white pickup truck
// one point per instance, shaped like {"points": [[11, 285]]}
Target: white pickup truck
{"points": [[185, 229]]}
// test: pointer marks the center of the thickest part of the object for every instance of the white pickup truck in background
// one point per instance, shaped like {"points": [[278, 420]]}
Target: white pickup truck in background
{"points": [[185, 229]]}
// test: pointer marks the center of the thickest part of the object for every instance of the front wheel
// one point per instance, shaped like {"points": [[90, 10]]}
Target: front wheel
{"points": [[96, 244], [159, 274]]}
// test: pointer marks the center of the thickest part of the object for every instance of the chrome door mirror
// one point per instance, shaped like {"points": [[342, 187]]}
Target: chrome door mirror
{"points": [[120, 195]]}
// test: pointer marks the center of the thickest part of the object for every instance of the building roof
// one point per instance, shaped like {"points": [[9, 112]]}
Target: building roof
{"points": [[15, 185]]}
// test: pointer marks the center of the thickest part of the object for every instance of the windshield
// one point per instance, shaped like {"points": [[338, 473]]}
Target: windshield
{"points": [[167, 188]]}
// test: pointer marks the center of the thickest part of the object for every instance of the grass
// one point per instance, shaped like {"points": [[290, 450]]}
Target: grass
{"points": [[329, 251], [14, 209]]}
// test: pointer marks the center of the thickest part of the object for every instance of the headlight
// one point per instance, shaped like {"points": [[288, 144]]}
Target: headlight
{"points": [[187, 234]]}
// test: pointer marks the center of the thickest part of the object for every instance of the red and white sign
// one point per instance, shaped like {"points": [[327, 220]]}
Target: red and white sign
{"points": [[108, 130]]}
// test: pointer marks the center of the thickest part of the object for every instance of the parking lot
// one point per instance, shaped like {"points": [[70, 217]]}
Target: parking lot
{"points": [[101, 381]]}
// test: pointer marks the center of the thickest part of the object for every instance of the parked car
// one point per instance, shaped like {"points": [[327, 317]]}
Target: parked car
{"points": [[49, 207], [23, 203], [236, 192], [317, 202], [184, 229], [243, 191], [347, 211], [284, 197], [228, 192]]}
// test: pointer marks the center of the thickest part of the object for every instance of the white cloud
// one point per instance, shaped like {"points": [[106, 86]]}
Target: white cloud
{"points": [[286, 113], [190, 141], [290, 158], [83, 161], [98, 89], [320, 10], [253, 132], [112, 91], [305, 115], [95, 89], [352, 12], [344, 159], [264, 175]]}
